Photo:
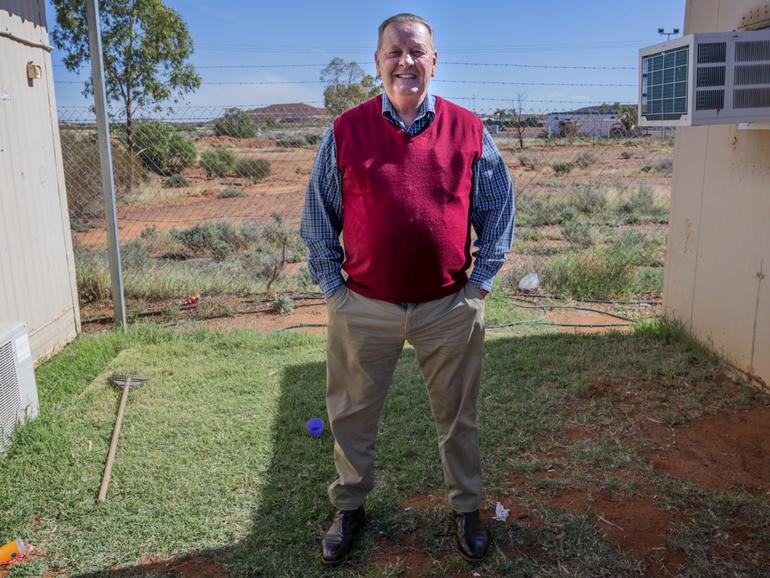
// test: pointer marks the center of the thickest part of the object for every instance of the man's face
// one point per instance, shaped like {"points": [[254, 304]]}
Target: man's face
{"points": [[406, 62]]}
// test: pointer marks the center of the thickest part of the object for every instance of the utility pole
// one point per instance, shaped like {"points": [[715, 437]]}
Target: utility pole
{"points": [[105, 162]]}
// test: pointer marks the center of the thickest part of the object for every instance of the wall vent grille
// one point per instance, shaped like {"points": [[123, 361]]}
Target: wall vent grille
{"points": [[709, 100], [752, 74], [751, 98], [10, 400], [709, 52], [711, 76], [749, 50]]}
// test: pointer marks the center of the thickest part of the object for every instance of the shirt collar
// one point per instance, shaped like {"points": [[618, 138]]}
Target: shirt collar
{"points": [[428, 107]]}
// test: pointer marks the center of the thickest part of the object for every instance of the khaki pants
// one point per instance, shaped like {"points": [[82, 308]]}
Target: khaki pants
{"points": [[365, 339]]}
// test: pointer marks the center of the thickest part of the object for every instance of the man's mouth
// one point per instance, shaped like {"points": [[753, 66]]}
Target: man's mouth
{"points": [[406, 76]]}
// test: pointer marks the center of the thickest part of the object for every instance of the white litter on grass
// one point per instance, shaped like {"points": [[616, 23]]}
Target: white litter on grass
{"points": [[501, 512], [529, 282]]}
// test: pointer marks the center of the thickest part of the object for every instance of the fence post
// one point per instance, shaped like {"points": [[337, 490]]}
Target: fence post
{"points": [[105, 162]]}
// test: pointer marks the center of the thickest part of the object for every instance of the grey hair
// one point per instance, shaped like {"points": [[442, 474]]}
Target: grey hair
{"points": [[403, 17]]}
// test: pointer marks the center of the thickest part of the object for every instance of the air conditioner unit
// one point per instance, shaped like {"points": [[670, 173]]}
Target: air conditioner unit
{"points": [[18, 392], [708, 78]]}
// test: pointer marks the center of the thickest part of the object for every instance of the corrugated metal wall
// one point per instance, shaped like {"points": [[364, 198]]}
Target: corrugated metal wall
{"points": [[37, 273], [718, 257]]}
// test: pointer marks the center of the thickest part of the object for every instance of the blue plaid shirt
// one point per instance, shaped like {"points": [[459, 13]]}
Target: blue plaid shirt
{"points": [[492, 214]]}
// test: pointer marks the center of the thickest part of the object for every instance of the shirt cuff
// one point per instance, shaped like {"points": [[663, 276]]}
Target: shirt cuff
{"points": [[329, 285], [482, 277]]}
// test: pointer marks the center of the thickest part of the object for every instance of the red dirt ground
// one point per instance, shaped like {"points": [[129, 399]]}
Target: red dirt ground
{"points": [[720, 452]]}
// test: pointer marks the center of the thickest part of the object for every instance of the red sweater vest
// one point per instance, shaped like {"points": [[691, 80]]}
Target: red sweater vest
{"points": [[407, 202]]}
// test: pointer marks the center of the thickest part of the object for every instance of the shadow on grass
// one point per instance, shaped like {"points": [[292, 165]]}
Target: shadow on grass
{"points": [[529, 388]]}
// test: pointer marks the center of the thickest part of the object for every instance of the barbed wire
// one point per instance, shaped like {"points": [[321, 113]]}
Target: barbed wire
{"points": [[443, 62]]}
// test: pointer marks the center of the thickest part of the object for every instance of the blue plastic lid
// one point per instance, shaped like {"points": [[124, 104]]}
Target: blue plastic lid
{"points": [[315, 427]]}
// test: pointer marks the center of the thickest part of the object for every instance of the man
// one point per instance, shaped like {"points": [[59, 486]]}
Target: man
{"points": [[402, 177]]}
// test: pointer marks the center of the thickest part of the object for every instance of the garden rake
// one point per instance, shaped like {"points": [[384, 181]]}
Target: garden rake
{"points": [[126, 383]]}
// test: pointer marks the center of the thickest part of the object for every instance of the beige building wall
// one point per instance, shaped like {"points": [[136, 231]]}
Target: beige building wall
{"points": [[37, 273], [717, 279]]}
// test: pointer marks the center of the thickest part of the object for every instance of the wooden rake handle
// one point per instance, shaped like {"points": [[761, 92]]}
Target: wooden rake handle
{"points": [[114, 443]]}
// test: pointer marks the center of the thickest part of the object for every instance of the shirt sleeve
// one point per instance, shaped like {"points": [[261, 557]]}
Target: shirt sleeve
{"points": [[492, 215], [321, 222]]}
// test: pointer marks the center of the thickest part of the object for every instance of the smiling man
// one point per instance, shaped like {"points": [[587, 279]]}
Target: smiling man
{"points": [[403, 177]]}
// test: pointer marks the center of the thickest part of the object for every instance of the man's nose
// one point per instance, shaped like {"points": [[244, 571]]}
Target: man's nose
{"points": [[407, 60]]}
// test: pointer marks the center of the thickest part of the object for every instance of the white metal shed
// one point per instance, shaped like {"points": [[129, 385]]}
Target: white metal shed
{"points": [[37, 270]]}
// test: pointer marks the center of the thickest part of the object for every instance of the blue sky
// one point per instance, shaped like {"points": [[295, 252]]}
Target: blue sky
{"points": [[256, 53]]}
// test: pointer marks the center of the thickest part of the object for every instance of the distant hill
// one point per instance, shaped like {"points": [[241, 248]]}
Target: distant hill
{"points": [[598, 109], [292, 113]]}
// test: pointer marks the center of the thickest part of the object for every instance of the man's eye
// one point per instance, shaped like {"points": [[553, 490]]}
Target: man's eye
{"points": [[418, 53]]}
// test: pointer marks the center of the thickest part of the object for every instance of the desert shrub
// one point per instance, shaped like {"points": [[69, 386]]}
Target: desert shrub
{"points": [[251, 232], [220, 240], [585, 159], [93, 278], [175, 181], [283, 305], [578, 232], [235, 123], [563, 168], [537, 211], [646, 168], [80, 156], [279, 235], [313, 139], [665, 166], [162, 149], [292, 141], [589, 200], [626, 155], [217, 162], [639, 249], [251, 168], [597, 273], [134, 256], [529, 162], [637, 205], [231, 193], [647, 280]]}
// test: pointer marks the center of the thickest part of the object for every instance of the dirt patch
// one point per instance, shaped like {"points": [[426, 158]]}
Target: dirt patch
{"points": [[404, 561], [307, 316], [721, 451], [577, 321], [427, 501], [635, 523]]}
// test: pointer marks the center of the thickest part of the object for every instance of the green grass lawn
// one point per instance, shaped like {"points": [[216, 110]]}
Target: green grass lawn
{"points": [[213, 460]]}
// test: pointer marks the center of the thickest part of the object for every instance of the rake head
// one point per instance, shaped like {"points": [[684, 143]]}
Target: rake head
{"points": [[120, 380]]}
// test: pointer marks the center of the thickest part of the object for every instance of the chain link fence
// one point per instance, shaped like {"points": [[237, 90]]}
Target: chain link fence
{"points": [[209, 198]]}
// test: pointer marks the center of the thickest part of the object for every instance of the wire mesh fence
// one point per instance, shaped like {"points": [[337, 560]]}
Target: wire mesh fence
{"points": [[209, 198]]}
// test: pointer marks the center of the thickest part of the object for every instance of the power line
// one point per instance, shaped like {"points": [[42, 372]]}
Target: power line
{"points": [[475, 82], [547, 66], [550, 46], [443, 62]]}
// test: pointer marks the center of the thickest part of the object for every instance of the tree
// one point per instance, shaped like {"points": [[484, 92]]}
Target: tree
{"points": [[519, 122], [235, 123], [346, 85], [146, 46]]}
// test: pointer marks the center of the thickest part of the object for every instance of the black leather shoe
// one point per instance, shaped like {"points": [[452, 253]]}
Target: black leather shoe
{"points": [[472, 536], [337, 541]]}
